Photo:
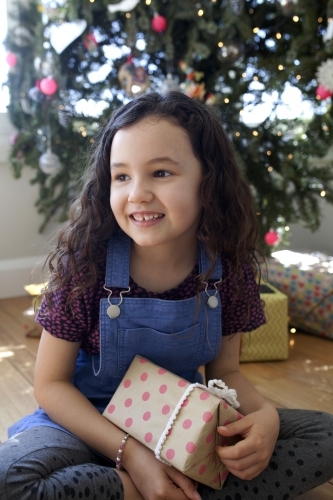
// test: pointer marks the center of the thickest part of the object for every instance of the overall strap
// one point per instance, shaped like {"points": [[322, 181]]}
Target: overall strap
{"points": [[204, 264], [118, 260]]}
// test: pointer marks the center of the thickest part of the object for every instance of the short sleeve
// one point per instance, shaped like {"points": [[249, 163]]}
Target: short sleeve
{"points": [[63, 321], [240, 312]]}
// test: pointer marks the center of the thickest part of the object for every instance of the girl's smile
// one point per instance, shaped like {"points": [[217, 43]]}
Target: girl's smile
{"points": [[155, 184], [145, 219]]}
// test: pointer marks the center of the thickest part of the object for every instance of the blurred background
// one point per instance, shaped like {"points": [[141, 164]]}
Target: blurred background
{"points": [[264, 66]]}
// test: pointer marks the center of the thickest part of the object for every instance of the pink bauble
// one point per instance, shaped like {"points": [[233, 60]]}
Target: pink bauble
{"points": [[11, 59], [322, 92], [159, 23], [13, 138], [271, 237], [48, 86]]}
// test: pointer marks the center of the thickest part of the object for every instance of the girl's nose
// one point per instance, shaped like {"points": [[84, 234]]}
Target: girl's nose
{"points": [[140, 193]]}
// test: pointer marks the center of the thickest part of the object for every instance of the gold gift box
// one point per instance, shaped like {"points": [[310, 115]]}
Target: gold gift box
{"points": [[270, 341]]}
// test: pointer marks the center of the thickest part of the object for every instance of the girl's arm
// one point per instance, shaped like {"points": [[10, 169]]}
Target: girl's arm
{"points": [[65, 404], [260, 425], [147, 477]]}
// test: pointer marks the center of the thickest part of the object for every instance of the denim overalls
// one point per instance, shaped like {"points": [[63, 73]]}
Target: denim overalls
{"points": [[179, 335]]}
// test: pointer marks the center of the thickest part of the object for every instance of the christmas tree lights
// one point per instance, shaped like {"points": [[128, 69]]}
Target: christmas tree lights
{"points": [[71, 63]]}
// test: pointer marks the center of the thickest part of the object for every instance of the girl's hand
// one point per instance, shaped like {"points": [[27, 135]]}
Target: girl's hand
{"points": [[156, 480], [247, 458]]}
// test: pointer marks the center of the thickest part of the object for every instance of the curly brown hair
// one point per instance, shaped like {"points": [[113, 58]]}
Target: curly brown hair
{"points": [[228, 223]]}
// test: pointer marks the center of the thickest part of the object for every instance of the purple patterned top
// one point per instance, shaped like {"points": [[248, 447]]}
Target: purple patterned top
{"points": [[81, 321]]}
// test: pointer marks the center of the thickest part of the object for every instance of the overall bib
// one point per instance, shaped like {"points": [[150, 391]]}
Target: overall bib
{"points": [[179, 335]]}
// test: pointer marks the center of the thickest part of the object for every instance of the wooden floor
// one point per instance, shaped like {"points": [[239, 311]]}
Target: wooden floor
{"points": [[304, 381]]}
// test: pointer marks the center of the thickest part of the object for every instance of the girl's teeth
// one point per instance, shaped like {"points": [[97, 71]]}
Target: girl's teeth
{"points": [[139, 217]]}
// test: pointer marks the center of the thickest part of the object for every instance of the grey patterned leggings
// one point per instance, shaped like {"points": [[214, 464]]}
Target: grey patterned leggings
{"points": [[46, 463]]}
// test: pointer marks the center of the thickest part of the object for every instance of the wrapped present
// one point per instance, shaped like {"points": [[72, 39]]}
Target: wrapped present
{"points": [[270, 341], [175, 419], [30, 327], [307, 279]]}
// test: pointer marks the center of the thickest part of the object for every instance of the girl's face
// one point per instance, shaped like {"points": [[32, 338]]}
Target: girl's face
{"points": [[155, 183]]}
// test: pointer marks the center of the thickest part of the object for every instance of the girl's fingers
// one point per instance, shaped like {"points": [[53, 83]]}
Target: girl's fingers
{"points": [[240, 427], [242, 463], [237, 451], [188, 487]]}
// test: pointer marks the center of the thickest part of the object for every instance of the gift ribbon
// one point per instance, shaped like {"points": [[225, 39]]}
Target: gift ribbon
{"points": [[215, 387]]}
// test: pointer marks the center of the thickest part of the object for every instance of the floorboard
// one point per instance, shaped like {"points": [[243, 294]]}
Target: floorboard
{"points": [[303, 381]]}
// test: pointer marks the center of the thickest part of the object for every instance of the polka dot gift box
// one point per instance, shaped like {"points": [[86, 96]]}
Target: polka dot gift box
{"points": [[307, 279], [175, 419]]}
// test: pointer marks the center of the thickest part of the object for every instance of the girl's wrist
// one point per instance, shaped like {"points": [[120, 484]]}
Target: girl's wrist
{"points": [[119, 459], [128, 453], [131, 452]]}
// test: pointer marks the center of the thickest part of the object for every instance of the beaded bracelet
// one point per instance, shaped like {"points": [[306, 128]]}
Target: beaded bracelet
{"points": [[120, 452]]}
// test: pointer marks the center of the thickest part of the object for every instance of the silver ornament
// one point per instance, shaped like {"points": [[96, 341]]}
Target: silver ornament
{"points": [[65, 117], [49, 163], [237, 6], [329, 32], [229, 53], [324, 74], [22, 36], [35, 94], [168, 84], [26, 106], [37, 63], [47, 66], [44, 67]]}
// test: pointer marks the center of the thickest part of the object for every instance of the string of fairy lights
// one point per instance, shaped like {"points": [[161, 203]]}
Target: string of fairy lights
{"points": [[230, 58]]}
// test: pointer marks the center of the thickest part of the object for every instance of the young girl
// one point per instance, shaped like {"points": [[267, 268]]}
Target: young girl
{"points": [[163, 223]]}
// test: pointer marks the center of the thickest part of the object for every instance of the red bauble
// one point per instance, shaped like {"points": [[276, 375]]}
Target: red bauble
{"points": [[90, 42], [271, 238], [159, 23], [48, 86], [11, 59], [322, 92]]}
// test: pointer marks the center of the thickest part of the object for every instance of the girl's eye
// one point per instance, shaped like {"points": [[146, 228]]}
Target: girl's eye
{"points": [[121, 177], [162, 173]]}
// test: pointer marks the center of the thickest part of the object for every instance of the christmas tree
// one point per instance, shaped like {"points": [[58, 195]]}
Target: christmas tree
{"points": [[72, 63]]}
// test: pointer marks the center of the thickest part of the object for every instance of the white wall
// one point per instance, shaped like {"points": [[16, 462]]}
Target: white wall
{"points": [[303, 240], [22, 247]]}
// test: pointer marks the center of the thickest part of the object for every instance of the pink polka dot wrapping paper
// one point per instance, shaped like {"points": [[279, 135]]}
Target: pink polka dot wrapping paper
{"points": [[143, 404], [309, 287]]}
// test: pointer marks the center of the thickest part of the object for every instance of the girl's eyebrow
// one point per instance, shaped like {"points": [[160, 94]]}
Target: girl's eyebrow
{"points": [[162, 159]]}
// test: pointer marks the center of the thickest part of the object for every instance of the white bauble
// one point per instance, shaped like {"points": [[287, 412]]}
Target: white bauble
{"points": [[49, 163]]}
